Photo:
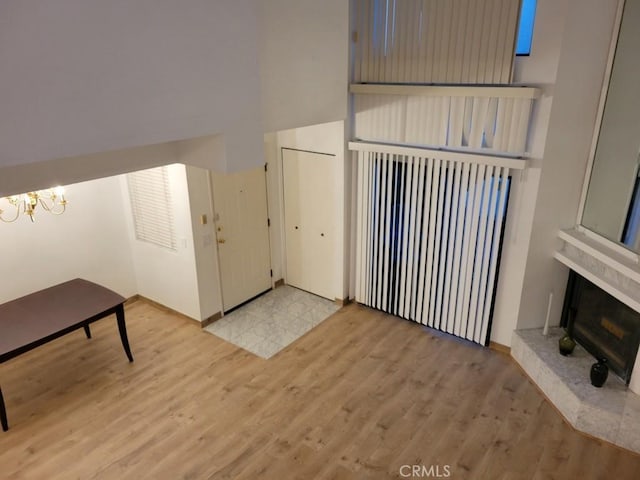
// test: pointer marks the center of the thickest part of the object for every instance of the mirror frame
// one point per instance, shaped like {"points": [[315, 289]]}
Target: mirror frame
{"points": [[617, 246]]}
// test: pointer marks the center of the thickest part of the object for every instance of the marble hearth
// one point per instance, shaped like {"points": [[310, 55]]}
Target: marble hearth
{"points": [[611, 413]]}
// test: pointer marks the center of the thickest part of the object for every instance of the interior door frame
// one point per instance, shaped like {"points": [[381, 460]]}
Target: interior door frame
{"points": [[283, 233], [214, 219]]}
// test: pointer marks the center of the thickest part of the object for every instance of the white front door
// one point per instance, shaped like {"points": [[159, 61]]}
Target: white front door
{"points": [[240, 203], [309, 218]]}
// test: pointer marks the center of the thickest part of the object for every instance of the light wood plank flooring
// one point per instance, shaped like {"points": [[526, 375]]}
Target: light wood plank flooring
{"points": [[358, 397]]}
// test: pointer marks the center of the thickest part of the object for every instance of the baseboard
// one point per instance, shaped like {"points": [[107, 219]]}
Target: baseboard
{"points": [[343, 301], [201, 324], [213, 318], [278, 283], [498, 347], [132, 299]]}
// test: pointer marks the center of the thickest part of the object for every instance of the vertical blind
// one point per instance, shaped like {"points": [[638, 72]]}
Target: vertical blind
{"points": [[429, 232], [151, 207], [430, 222], [435, 41]]}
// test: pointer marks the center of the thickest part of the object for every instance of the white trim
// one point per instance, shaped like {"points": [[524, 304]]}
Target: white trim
{"points": [[603, 98], [215, 221], [283, 230], [446, 90], [359, 236], [621, 260], [512, 163], [595, 279], [606, 243]]}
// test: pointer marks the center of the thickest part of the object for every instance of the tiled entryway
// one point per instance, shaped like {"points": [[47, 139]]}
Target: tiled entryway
{"points": [[274, 320]]}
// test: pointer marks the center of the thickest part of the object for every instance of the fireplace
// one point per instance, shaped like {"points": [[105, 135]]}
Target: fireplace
{"points": [[603, 325]]}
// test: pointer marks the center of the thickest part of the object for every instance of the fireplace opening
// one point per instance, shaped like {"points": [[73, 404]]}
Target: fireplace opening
{"points": [[602, 324]]}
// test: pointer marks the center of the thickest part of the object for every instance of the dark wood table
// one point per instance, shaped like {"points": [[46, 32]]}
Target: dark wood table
{"points": [[38, 318]]}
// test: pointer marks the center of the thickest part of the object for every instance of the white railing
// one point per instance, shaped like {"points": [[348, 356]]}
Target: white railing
{"points": [[490, 119], [429, 229]]}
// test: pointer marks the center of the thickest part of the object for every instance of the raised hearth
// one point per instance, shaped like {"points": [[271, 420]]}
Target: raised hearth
{"points": [[611, 413]]}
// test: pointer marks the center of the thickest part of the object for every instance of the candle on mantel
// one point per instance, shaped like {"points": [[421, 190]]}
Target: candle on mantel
{"points": [[545, 330]]}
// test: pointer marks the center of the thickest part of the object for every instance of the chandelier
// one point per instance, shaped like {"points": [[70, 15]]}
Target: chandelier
{"points": [[51, 200]]}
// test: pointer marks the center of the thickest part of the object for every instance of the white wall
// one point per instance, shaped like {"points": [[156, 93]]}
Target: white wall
{"points": [[165, 276], [325, 138], [85, 76], [94, 239], [204, 242], [538, 69], [24, 178], [273, 159], [567, 62], [303, 62], [90, 240], [583, 56], [193, 153], [205, 152], [94, 76]]}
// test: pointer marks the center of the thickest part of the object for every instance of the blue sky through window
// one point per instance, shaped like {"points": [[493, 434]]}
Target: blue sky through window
{"points": [[525, 28]]}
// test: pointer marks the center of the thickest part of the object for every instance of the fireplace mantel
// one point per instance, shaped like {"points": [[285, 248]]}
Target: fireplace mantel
{"points": [[615, 270]]}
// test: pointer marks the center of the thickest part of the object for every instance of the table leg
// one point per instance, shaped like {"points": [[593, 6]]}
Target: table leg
{"points": [[87, 331], [122, 327], [3, 414]]}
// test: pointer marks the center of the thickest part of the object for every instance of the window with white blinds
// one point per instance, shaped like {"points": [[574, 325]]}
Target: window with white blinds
{"points": [[151, 207], [435, 41], [429, 228]]}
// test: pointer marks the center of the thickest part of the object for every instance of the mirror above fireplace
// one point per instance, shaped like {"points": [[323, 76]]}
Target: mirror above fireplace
{"points": [[612, 202]]}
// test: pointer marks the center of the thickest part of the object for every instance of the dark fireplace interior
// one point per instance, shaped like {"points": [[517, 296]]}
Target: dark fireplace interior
{"points": [[603, 325]]}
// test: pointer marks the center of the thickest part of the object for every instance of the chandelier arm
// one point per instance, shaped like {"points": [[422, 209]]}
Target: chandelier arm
{"points": [[58, 212], [50, 201], [17, 207], [61, 205], [44, 204]]}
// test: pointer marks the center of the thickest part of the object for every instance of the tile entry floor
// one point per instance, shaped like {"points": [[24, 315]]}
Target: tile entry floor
{"points": [[274, 320]]}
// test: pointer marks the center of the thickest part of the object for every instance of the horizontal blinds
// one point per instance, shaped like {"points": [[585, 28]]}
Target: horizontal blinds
{"points": [[435, 41], [151, 207], [429, 232]]}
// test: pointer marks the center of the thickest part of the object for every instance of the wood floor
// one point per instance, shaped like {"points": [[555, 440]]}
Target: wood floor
{"points": [[358, 397]]}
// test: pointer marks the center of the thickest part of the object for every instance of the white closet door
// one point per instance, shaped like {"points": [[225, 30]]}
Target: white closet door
{"points": [[309, 206]]}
